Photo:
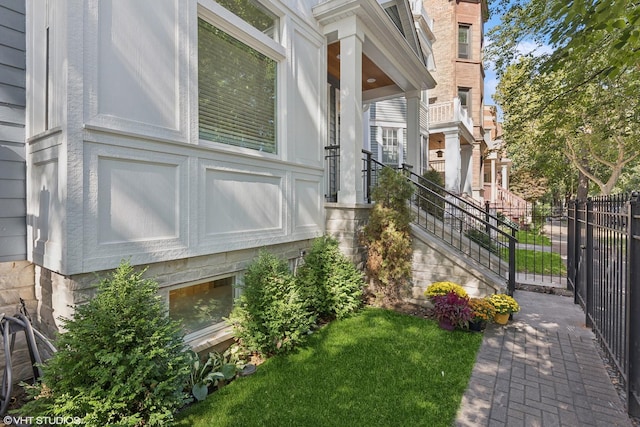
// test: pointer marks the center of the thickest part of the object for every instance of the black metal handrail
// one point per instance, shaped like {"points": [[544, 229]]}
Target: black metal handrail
{"points": [[465, 226], [477, 233]]}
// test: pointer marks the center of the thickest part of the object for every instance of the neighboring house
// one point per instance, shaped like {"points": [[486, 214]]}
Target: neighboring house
{"points": [[187, 135], [456, 142], [497, 167], [387, 120]]}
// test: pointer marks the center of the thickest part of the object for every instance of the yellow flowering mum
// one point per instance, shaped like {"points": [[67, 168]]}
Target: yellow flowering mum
{"points": [[504, 303], [482, 309], [443, 288]]}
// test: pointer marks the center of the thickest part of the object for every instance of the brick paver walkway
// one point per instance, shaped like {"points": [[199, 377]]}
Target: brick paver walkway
{"points": [[542, 369]]}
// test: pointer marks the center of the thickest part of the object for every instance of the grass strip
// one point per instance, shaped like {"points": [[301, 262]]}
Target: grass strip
{"points": [[549, 263], [378, 368], [532, 238]]}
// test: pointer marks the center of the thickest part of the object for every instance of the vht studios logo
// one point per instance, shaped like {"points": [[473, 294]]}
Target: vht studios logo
{"points": [[8, 420]]}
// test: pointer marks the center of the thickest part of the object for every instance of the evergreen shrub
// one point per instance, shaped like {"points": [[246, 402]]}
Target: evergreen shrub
{"points": [[120, 362], [330, 283], [271, 315]]}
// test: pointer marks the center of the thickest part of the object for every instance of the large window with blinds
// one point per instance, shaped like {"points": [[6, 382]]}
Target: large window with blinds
{"points": [[237, 91]]}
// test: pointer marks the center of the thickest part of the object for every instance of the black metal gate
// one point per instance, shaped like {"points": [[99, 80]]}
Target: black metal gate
{"points": [[604, 274], [541, 251]]}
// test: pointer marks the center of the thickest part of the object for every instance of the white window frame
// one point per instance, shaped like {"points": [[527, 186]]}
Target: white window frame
{"points": [[466, 27], [467, 91], [214, 329], [236, 27], [399, 144]]}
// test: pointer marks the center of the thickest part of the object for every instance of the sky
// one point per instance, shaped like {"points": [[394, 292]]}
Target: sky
{"points": [[490, 79]]}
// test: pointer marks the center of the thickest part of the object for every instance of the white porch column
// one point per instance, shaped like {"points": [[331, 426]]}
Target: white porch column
{"points": [[466, 169], [505, 177], [494, 179], [413, 130], [351, 133], [452, 162]]}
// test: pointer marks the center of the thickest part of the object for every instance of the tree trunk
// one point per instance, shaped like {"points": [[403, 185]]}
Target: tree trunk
{"points": [[583, 186]]}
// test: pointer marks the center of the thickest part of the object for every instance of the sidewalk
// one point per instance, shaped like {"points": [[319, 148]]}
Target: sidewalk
{"points": [[542, 369]]}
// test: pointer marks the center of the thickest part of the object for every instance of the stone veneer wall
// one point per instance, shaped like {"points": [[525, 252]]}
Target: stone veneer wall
{"points": [[16, 281], [345, 223], [433, 261], [58, 294]]}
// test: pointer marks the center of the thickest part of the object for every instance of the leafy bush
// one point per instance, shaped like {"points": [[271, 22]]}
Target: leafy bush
{"points": [[443, 288], [121, 361], [432, 201], [483, 239], [452, 310], [330, 284], [215, 368], [271, 315], [387, 235]]}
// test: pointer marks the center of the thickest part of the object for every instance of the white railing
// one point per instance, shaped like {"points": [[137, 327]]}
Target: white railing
{"points": [[421, 13], [450, 112]]}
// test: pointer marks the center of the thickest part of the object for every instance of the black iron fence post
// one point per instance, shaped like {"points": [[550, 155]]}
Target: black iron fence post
{"points": [[487, 211], [578, 252], [511, 285], [571, 236], [633, 307], [588, 303]]}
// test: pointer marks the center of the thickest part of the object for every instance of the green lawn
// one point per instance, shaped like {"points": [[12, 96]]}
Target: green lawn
{"points": [[538, 262], [532, 238], [378, 368]]}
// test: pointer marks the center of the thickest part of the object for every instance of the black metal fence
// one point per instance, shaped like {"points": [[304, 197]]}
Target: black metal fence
{"points": [[603, 263], [541, 251]]}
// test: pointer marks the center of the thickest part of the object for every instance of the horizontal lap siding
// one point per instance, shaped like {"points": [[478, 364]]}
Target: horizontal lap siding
{"points": [[12, 136]]}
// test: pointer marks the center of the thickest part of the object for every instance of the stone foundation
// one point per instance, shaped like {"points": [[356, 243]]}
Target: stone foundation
{"points": [[58, 294], [16, 281], [345, 223]]}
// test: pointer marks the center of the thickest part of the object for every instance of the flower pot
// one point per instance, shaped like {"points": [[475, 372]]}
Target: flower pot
{"points": [[477, 325], [501, 318], [446, 325]]}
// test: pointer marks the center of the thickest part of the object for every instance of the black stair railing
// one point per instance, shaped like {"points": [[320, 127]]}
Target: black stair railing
{"points": [[465, 226], [461, 224]]}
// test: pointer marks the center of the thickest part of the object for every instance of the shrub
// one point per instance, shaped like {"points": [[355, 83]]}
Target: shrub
{"points": [[452, 310], [330, 284], [432, 201], [271, 315], [121, 361], [483, 239], [443, 288], [209, 372], [387, 235]]}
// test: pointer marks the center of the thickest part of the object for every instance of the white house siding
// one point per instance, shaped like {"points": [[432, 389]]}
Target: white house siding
{"points": [[117, 170], [16, 274], [13, 212], [391, 113]]}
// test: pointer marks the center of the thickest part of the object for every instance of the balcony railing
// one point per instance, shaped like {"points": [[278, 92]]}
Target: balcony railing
{"points": [[449, 112]]}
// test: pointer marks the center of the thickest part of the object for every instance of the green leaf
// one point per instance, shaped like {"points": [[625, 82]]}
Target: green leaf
{"points": [[200, 391]]}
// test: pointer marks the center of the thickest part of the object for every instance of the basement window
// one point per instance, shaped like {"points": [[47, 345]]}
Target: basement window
{"points": [[202, 307]]}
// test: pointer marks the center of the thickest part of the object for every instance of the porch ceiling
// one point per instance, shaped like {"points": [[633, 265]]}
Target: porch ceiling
{"points": [[387, 56], [372, 76]]}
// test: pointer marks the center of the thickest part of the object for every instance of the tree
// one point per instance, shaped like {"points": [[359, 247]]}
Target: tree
{"points": [[578, 104], [595, 130]]}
